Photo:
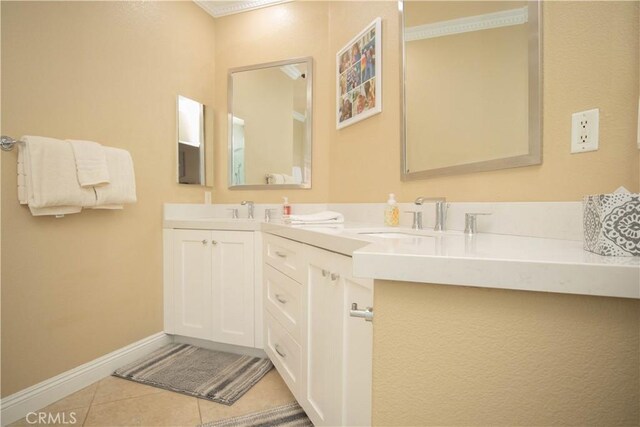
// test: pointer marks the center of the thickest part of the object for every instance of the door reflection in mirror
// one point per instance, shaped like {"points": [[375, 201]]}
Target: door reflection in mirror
{"points": [[191, 164]]}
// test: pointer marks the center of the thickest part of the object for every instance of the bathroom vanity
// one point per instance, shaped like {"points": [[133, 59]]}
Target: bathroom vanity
{"points": [[222, 275], [449, 309]]}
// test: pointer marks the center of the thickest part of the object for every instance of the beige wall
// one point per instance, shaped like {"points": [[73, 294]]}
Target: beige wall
{"points": [[446, 355], [365, 157], [290, 30], [362, 162], [76, 288]]}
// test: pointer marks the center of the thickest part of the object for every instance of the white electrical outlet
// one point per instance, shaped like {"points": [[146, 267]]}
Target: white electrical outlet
{"points": [[585, 127]]}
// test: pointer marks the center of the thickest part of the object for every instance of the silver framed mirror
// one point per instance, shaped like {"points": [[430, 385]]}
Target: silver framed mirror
{"points": [[471, 85], [270, 125]]}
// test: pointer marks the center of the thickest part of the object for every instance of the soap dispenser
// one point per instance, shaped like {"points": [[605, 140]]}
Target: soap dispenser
{"points": [[391, 212], [286, 207]]}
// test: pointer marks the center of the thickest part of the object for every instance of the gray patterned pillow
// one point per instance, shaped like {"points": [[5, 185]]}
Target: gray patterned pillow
{"points": [[612, 224]]}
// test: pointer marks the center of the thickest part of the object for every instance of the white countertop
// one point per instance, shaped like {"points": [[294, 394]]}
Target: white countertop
{"points": [[239, 224], [452, 258]]}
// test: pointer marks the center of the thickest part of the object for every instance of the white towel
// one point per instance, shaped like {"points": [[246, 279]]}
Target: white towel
{"points": [[326, 217], [50, 179], [122, 188], [23, 194], [23, 198], [55, 210], [280, 178], [91, 163]]}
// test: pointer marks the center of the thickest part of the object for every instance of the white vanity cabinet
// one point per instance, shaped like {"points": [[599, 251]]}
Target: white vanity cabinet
{"points": [[209, 285], [323, 354]]}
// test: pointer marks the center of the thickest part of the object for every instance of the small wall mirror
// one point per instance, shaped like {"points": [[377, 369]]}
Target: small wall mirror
{"points": [[270, 125], [471, 86], [191, 163]]}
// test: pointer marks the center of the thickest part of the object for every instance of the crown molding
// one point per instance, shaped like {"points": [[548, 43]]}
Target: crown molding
{"points": [[504, 18], [224, 8]]}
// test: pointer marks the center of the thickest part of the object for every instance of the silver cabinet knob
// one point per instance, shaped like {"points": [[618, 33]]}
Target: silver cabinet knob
{"points": [[325, 273], [204, 242], [279, 351], [213, 242], [334, 277]]}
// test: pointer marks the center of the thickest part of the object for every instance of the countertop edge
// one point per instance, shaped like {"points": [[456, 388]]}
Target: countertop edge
{"points": [[593, 280]]}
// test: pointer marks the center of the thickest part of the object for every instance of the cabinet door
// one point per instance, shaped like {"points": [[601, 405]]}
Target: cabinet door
{"points": [[233, 287], [358, 349], [192, 283], [322, 356]]}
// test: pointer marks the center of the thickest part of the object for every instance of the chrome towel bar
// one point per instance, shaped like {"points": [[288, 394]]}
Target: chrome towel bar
{"points": [[7, 143]]}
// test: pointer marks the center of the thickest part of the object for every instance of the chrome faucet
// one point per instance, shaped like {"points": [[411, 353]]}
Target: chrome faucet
{"points": [[441, 211], [249, 204], [417, 220]]}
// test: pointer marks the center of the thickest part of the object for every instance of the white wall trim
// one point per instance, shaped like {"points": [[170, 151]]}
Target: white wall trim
{"points": [[504, 18], [223, 8], [38, 396], [220, 346]]}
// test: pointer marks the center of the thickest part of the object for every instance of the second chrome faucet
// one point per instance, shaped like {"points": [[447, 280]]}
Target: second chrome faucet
{"points": [[441, 213], [249, 205]]}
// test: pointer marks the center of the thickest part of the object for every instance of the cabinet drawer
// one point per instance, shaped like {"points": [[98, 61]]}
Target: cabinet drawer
{"points": [[284, 352], [284, 255], [283, 300]]}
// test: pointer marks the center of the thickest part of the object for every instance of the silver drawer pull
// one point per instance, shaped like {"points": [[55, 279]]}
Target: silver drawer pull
{"points": [[280, 352], [334, 277], [325, 273], [281, 254], [366, 314], [280, 299]]}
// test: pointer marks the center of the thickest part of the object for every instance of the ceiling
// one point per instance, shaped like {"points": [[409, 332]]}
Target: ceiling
{"points": [[229, 7]]}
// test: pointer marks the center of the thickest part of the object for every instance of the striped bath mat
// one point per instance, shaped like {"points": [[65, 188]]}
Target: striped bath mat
{"points": [[290, 415], [207, 374]]}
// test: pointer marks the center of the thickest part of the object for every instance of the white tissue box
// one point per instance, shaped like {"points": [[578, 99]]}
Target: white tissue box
{"points": [[612, 224]]}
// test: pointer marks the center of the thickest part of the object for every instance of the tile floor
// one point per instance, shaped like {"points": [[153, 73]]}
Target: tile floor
{"points": [[116, 402]]}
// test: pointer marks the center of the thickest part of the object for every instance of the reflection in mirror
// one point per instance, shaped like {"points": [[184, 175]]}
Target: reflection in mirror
{"points": [[191, 169], [270, 125], [471, 86]]}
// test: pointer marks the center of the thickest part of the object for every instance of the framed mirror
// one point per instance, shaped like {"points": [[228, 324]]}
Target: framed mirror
{"points": [[269, 125], [471, 86], [191, 151]]}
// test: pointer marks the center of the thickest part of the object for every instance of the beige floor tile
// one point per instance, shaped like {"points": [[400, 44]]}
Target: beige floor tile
{"points": [[112, 388], [158, 409], [57, 418], [79, 399], [269, 392]]}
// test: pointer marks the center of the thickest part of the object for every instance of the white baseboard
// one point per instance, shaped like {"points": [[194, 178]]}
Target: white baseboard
{"points": [[212, 345], [19, 404]]}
